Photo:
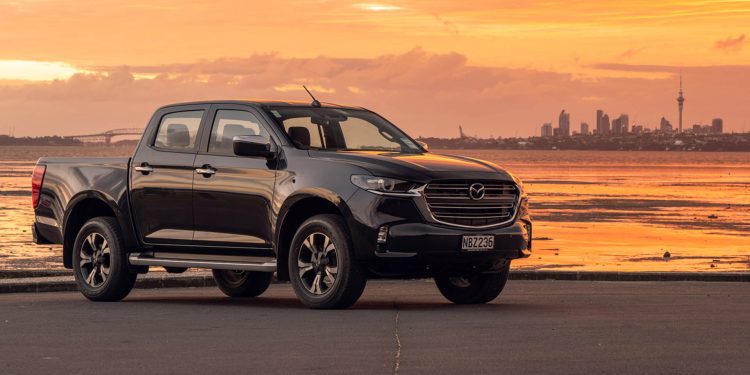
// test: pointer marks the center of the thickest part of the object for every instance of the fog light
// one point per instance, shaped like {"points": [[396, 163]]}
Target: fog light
{"points": [[383, 234]]}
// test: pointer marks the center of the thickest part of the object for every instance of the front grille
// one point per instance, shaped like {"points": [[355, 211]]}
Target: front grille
{"points": [[450, 202]]}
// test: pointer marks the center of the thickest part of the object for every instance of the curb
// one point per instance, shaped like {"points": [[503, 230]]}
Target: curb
{"points": [[17, 274], [68, 284], [630, 276]]}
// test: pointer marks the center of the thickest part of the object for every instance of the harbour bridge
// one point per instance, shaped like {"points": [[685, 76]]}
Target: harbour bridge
{"points": [[106, 137]]}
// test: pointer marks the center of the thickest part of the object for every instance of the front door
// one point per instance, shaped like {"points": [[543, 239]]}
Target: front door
{"points": [[232, 195], [161, 176]]}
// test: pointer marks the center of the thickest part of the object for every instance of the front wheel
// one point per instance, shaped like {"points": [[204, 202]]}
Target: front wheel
{"points": [[473, 289], [100, 261], [322, 269], [242, 283]]}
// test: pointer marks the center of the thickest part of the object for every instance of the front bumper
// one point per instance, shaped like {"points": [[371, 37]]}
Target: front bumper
{"points": [[427, 240], [413, 238]]}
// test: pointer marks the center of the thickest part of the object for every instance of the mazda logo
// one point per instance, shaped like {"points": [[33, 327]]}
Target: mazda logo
{"points": [[476, 191]]}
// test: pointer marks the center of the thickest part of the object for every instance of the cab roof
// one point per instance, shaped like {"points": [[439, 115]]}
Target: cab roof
{"points": [[265, 103]]}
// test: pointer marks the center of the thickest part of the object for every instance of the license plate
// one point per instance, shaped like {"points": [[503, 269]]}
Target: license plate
{"points": [[477, 242]]}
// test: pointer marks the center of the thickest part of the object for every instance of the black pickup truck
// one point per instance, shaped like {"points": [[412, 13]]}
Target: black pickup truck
{"points": [[323, 195]]}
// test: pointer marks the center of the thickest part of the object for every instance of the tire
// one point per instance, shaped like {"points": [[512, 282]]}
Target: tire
{"points": [[322, 269], [238, 284], [100, 261], [475, 289]]}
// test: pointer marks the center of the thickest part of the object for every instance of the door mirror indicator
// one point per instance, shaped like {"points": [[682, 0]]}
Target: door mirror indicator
{"points": [[253, 146]]}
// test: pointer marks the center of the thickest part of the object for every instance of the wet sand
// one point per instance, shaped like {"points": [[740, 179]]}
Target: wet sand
{"points": [[597, 211]]}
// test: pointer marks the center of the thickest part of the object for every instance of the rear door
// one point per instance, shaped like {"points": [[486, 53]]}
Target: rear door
{"points": [[161, 176], [232, 200]]}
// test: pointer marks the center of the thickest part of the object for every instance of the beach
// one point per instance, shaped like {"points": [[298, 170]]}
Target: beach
{"points": [[592, 210]]}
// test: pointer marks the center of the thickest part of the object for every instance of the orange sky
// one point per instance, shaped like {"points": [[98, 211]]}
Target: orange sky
{"points": [[496, 67]]}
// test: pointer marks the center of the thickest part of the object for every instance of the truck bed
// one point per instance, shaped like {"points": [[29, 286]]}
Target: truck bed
{"points": [[69, 181]]}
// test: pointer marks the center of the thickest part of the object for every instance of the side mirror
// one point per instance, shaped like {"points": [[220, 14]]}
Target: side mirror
{"points": [[424, 145], [253, 146]]}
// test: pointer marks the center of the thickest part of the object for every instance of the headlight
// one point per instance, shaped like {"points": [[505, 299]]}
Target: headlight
{"points": [[523, 207], [386, 186]]}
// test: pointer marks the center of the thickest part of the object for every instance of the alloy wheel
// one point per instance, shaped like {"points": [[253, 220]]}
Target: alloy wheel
{"points": [[317, 263], [95, 259]]}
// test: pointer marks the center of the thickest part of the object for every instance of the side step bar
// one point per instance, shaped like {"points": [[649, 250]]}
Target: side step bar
{"points": [[138, 259]]}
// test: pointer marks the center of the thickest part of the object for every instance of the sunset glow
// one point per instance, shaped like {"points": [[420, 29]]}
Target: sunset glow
{"points": [[520, 63], [35, 70]]}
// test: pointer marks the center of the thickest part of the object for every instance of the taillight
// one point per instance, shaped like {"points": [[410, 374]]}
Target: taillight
{"points": [[36, 183]]}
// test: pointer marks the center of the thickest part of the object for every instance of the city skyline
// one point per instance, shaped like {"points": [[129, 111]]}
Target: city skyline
{"points": [[621, 124]]}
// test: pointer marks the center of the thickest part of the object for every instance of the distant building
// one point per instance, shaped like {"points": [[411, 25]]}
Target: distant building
{"points": [[637, 129], [702, 129], [564, 124], [625, 123], [680, 102], [605, 125], [547, 130], [584, 128], [620, 125], [665, 126], [599, 122], [616, 126], [717, 126]]}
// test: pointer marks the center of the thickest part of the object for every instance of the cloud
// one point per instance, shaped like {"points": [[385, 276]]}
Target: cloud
{"points": [[425, 93], [730, 44]]}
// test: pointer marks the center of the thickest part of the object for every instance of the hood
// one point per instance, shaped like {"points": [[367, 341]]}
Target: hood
{"points": [[421, 167]]}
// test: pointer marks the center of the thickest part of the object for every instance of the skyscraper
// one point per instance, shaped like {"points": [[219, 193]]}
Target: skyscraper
{"points": [[665, 126], [564, 124], [624, 123], [605, 125], [680, 101], [617, 126], [547, 130], [599, 115]]}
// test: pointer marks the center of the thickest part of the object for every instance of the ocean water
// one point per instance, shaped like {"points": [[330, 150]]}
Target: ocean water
{"points": [[596, 211]]}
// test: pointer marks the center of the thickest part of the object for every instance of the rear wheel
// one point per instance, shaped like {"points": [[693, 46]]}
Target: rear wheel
{"points": [[321, 267], [242, 283], [100, 261], [473, 289]]}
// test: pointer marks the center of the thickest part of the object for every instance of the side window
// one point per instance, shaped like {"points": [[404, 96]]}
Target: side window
{"points": [[178, 131], [229, 124], [301, 125]]}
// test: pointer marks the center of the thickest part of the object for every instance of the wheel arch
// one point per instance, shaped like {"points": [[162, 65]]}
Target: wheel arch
{"points": [[294, 212], [82, 208]]}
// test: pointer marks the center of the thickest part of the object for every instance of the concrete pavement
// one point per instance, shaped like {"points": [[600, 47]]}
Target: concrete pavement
{"points": [[398, 326]]}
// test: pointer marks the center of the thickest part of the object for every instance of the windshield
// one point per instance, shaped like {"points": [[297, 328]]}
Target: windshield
{"points": [[341, 129]]}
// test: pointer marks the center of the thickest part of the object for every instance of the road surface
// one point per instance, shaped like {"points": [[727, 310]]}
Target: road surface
{"points": [[535, 327]]}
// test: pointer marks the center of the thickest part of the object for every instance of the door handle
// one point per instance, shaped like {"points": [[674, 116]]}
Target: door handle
{"points": [[206, 171], [144, 168]]}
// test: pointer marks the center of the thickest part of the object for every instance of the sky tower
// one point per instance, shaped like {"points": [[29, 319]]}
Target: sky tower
{"points": [[680, 101]]}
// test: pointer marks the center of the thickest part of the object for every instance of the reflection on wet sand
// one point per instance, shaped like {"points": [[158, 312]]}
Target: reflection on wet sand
{"points": [[624, 210], [620, 211]]}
